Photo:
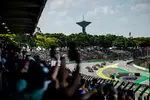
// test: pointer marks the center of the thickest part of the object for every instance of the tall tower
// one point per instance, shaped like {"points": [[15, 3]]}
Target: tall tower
{"points": [[129, 34], [83, 24]]}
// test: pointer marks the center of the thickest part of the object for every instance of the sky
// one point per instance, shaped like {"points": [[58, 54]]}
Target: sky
{"points": [[107, 16]]}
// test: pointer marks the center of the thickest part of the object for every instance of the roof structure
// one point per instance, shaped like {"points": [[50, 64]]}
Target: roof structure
{"points": [[83, 23], [20, 16]]}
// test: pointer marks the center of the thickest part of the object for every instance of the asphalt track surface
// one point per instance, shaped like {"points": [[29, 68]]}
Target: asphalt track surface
{"points": [[110, 68]]}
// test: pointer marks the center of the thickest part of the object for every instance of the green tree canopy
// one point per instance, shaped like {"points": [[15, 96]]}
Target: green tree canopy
{"points": [[82, 40]]}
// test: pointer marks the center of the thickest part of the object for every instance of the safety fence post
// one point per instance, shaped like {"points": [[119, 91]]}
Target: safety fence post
{"points": [[148, 96], [131, 86], [116, 83], [137, 88], [141, 94], [99, 81], [120, 85], [126, 85]]}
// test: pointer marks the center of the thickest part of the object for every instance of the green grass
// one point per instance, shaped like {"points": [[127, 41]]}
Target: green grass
{"points": [[144, 71], [143, 78]]}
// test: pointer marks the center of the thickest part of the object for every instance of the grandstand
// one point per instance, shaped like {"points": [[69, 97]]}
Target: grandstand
{"points": [[142, 60], [86, 73]]}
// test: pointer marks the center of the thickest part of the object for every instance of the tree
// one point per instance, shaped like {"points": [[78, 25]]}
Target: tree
{"points": [[82, 40], [8, 39], [130, 42], [46, 42], [32, 42], [62, 39], [110, 38], [50, 42], [119, 42]]}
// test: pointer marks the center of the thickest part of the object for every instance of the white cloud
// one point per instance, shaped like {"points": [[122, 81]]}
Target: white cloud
{"points": [[52, 12], [77, 2], [107, 10], [58, 14], [92, 13], [138, 1], [62, 21], [54, 4], [134, 0], [141, 7], [124, 20], [104, 9], [59, 23], [68, 2], [61, 14]]}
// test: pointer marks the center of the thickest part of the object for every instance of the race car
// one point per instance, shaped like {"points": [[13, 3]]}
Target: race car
{"points": [[129, 78], [104, 63], [90, 70], [87, 67], [95, 67]]}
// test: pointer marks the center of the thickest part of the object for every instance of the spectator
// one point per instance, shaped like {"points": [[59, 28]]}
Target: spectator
{"points": [[32, 79]]}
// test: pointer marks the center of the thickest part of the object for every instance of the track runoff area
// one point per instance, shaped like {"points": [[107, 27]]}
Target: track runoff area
{"points": [[116, 70]]}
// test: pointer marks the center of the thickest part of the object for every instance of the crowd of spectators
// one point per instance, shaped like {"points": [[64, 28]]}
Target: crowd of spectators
{"points": [[27, 77], [103, 53], [92, 53]]}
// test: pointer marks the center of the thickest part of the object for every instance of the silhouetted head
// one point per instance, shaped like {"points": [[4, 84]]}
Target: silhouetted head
{"points": [[53, 52], [94, 81], [35, 76], [0, 45], [82, 82], [72, 53], [96, 96]]}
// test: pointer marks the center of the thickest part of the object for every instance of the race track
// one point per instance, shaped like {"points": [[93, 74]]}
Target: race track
{"points": [[110, 68], [116, 66]]}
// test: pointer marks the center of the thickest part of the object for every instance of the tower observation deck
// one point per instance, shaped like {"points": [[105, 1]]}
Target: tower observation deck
{"points": [[83, 24]]}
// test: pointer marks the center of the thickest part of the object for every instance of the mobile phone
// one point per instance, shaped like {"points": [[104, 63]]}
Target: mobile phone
{"points": [[53, 52], [72, 52]]}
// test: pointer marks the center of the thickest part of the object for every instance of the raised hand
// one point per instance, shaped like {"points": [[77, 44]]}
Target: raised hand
{"points": [[61, 82], [54, 75]]}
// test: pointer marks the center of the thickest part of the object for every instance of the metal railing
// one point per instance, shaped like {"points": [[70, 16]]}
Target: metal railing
{"points": [[140, 89]]}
